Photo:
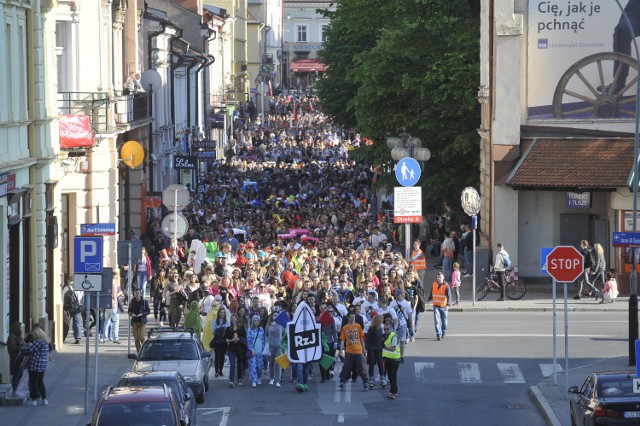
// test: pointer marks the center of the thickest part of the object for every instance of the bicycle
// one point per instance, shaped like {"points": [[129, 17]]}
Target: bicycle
{"points": [[515, 289]]}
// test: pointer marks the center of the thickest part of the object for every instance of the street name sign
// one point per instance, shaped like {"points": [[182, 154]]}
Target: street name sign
{"points": [[626, 239], [565, 263], [97, 229]]}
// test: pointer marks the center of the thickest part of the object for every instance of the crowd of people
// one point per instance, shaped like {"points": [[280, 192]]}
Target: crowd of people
{"points": [[288, 218]]}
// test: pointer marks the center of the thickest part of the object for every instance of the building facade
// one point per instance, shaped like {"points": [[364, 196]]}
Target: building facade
{"points": [[558, 117]]}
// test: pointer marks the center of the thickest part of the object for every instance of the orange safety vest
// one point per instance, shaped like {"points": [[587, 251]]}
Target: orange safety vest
{"points": [[421, 263], [439, 294]]}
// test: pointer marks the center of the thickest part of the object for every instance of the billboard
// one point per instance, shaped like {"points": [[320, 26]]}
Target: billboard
{"points": [[580, 63]]}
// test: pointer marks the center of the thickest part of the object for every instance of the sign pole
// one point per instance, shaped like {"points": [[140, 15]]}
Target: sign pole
{"points": [[407, 241], [555, 358], [87, 299], [95, 369], [129, 284], [566, 340], [474, 225], [175, 223]]}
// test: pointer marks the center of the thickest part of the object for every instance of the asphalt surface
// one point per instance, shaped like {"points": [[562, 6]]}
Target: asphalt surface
{"points": [[65, 377]]}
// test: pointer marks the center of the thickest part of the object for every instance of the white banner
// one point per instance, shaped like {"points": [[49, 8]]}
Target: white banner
{"points": [[572, 48]]}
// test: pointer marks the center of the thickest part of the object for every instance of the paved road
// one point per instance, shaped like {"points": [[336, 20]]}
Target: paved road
{"points": [[483, 369]]}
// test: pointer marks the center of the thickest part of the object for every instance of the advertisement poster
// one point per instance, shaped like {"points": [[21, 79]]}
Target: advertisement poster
{"points": [[581, 64]]}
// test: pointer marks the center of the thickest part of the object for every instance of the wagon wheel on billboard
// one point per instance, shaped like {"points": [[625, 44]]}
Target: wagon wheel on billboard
{"points": [[577, 96]]}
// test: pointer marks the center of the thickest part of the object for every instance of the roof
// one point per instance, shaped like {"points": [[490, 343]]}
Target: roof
{"points": [[574, 164]]}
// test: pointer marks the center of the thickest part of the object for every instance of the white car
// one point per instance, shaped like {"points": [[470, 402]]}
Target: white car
{"points": [[181, 351]]}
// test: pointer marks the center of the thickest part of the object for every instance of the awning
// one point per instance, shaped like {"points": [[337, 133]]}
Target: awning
{"points": [[75, 132], [574, 164], [307, 65]]}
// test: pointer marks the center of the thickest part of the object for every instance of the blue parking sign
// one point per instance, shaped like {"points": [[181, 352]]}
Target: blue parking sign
{"points": [[87, 255]]}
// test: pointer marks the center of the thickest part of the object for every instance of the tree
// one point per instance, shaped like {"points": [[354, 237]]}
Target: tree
{"points": [[418, 68]]}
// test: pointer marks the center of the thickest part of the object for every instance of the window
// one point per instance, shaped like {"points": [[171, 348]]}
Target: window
{"points": [[323, 33], [9, 69], [301, 33], [63, 55]]}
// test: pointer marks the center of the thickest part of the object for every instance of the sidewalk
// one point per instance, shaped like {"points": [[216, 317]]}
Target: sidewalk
{"points": [[65, 379]]}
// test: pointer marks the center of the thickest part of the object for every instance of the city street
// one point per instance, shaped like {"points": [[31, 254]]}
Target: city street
{"points": [[480, 374]]}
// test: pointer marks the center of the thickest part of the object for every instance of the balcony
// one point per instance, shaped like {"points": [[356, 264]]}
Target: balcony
{"points": [[132, 108], [94, 105]]}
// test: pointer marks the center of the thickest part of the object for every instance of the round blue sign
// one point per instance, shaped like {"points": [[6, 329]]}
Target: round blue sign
{"points": [[408, 172]]}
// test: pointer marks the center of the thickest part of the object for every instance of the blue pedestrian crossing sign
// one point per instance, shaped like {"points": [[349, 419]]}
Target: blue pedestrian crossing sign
{"points": [[408, 172]]}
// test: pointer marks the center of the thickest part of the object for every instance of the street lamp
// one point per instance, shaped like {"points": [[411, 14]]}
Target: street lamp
{"points": [[402, 147]]}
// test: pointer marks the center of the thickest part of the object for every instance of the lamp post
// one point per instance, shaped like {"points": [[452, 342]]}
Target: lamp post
{"points": [[633, 279], [402, 147]]}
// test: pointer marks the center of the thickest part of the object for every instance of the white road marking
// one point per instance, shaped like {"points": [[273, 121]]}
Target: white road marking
{"points": [[336, 397], [347, 395], [589, 336], [547, 369], [422, 369], [511, 373], [225, 413], [469, 372]]}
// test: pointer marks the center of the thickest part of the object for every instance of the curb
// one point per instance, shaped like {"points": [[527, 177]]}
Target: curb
{"points": [[533, 309], [543, 406]]}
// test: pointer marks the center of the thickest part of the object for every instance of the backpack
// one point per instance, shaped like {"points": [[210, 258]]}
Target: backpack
{"points": [[506, 260]]}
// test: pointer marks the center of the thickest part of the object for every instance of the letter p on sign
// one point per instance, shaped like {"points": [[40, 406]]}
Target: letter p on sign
{"points": [[88, 250]]}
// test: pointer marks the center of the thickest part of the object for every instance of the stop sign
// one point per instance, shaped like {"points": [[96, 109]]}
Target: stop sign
{"points": [[565, 264]]}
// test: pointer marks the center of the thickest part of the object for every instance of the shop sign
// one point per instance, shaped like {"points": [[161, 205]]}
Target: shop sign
{"points": [[578, 200]]}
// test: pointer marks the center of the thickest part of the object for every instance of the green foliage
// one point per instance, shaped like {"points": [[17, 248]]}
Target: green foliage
{"points": [[413, 64]]}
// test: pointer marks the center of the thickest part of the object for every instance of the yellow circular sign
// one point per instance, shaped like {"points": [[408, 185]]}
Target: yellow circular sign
{"points": [[132, 154]]}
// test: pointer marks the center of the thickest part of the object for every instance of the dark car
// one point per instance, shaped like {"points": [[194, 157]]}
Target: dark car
{"points": [[174, 380], [140, 406], [605, 398]]}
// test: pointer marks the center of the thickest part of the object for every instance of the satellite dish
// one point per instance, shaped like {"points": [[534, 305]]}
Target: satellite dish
{"points": [[132, 154], [150, 80]]}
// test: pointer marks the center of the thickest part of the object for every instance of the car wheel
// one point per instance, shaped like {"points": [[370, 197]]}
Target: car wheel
{"points": [[200, 398], [206, 383]]}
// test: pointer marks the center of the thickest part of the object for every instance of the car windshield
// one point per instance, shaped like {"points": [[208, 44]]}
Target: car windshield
{"points": [[165, 350], [610, 388], [136, 414], [146, 381]]}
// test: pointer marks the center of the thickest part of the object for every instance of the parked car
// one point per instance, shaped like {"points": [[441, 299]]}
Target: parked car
{"points": [[174, 380], [605, 398], [181, 351], [140, 406]]}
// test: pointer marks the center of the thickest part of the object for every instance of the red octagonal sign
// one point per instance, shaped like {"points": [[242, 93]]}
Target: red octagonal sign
{"points": [[565, 263]]}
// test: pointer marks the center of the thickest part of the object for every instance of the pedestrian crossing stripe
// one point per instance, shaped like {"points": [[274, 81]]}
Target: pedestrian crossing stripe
{"points": [[547, 369], [511, 373], [469, 372]]}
